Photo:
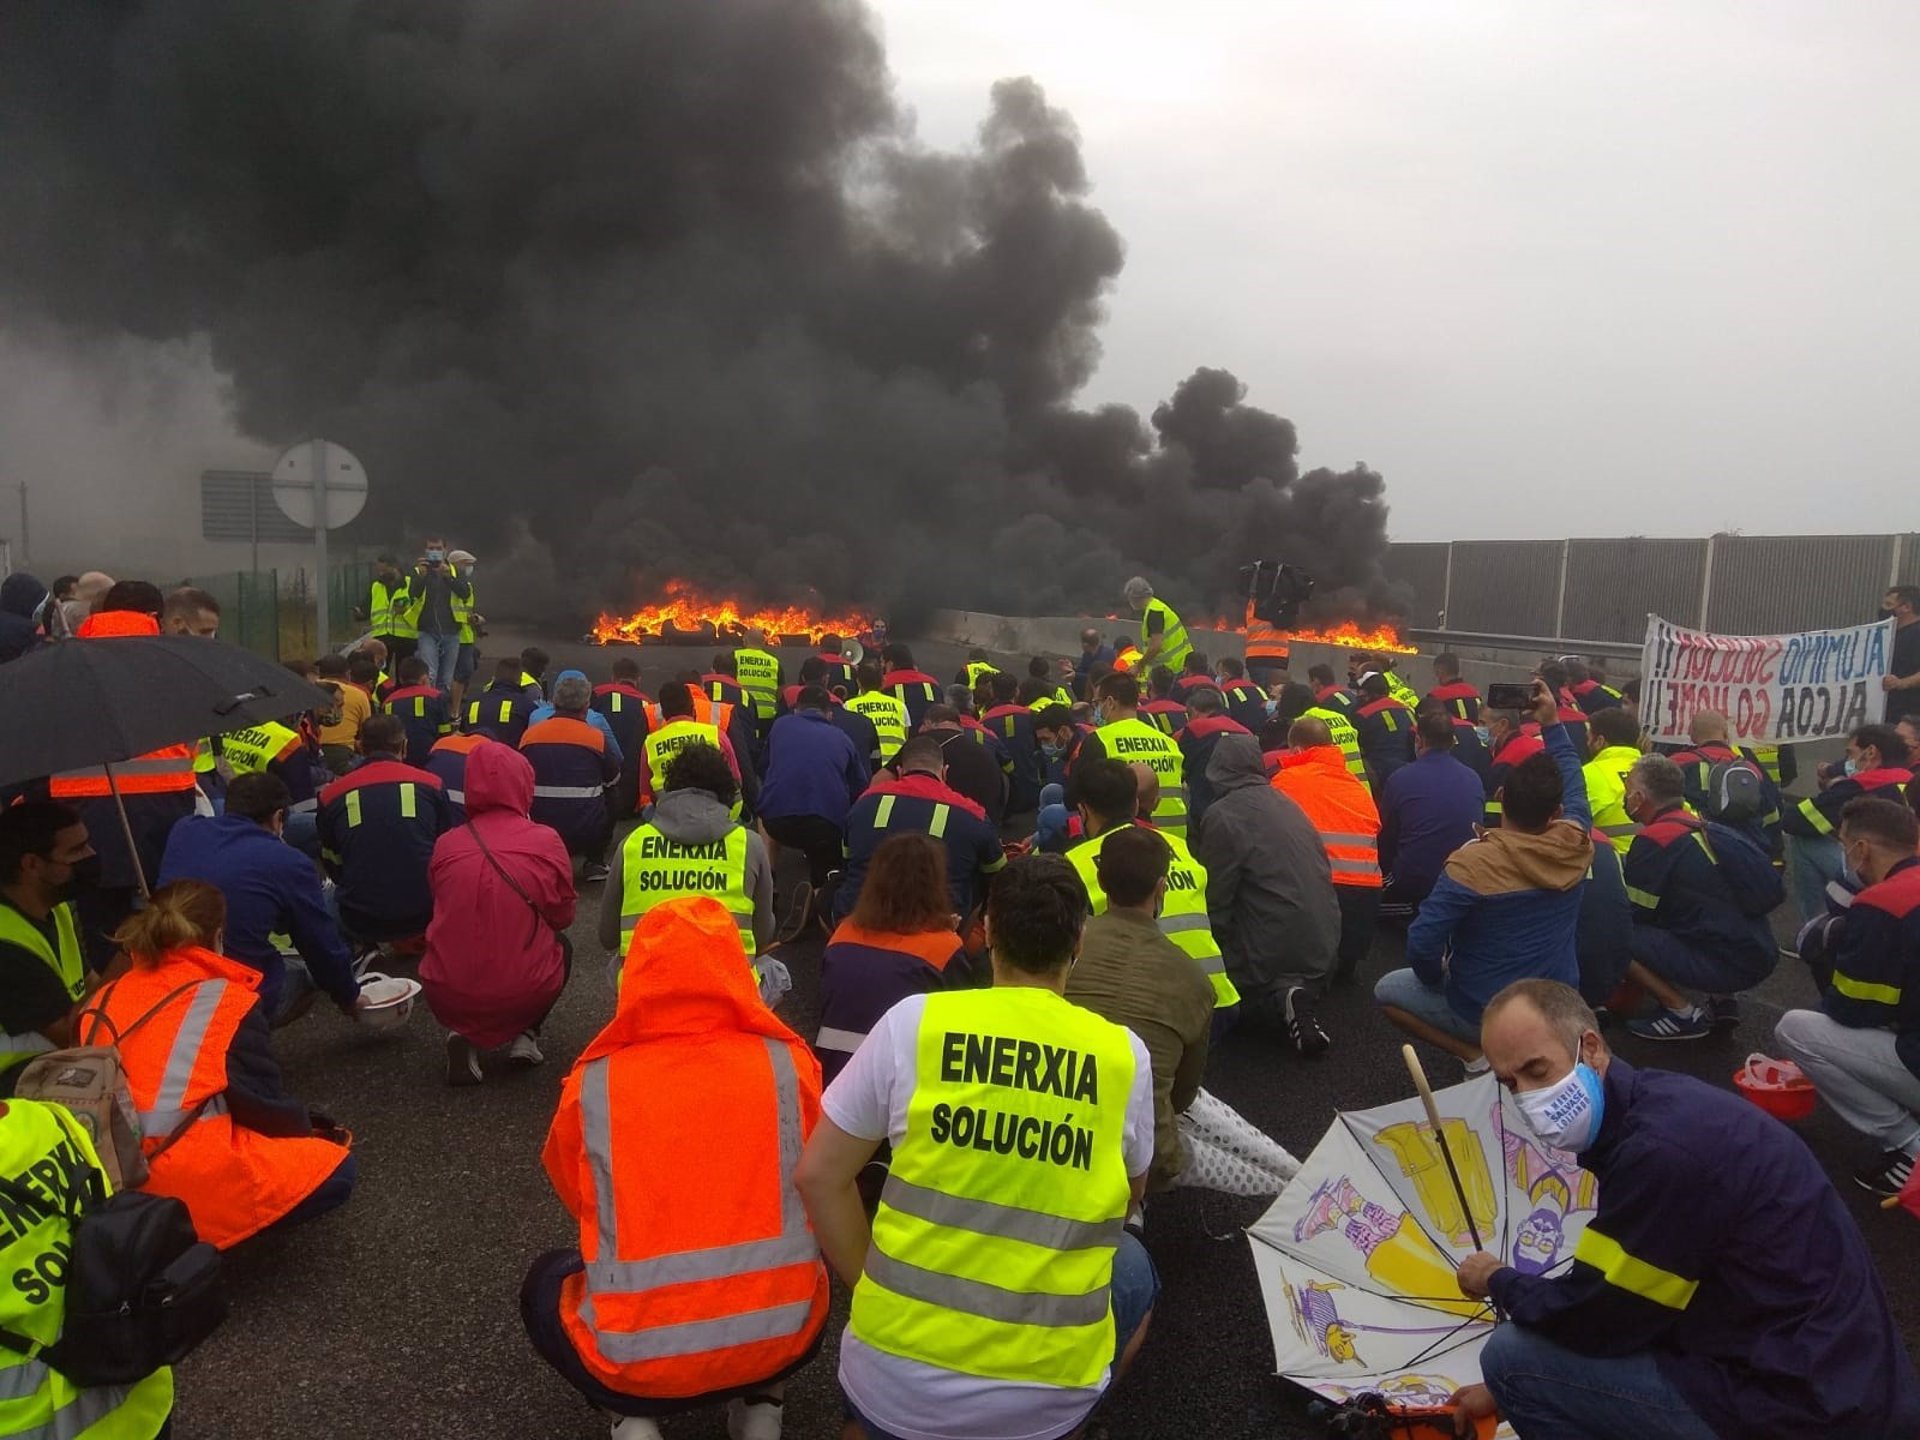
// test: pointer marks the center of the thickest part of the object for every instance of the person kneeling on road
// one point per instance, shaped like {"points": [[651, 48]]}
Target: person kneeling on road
{"points": [[997, 1292], [1721, 1289], [681, 1296], [219, 1133]]}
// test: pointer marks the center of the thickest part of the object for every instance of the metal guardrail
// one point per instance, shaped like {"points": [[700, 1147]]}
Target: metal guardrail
{"points": [[1538, 644]]}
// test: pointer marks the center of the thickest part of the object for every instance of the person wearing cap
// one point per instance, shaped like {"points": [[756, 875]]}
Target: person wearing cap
{"points": [[679, 1297], [1163, 639], [468, 659]]}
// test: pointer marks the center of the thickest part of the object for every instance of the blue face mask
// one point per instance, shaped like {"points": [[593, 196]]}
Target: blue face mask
{"points": [[1052, 752], [1855, 766]]}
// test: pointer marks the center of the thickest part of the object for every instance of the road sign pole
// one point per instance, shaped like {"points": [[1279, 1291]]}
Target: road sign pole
{"points": [[320, 543]]}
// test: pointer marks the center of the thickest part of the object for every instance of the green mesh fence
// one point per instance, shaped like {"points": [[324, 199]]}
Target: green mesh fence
{"points": [[279, 623]]}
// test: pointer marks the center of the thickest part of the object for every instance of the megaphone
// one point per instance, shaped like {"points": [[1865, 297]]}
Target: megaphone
{"points": [[853, 652]]}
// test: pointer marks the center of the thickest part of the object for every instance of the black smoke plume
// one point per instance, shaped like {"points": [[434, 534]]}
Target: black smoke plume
{"points": [[671, 284]]}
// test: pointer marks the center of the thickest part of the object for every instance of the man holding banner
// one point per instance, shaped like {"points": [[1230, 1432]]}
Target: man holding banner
{"points": [[1903, 684]]}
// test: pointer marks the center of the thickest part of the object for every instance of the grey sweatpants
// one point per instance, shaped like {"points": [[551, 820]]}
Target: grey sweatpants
{"points": [[1858, 1073]]}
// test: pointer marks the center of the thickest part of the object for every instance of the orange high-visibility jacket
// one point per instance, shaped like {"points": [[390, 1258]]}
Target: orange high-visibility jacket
{"points": [[688, 1288], [165, 771], [1341, 809], [234, 1182], [1265, 640]]}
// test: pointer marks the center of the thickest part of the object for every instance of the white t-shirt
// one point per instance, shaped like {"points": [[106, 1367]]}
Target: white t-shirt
{"points": [[906, 1397]]}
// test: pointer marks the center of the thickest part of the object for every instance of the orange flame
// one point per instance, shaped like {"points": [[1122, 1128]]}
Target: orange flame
{"points": [[690, 612], [1345, 636]]}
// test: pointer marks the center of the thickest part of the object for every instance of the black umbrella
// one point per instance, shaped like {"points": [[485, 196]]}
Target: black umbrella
{"points": [[99, 702]]}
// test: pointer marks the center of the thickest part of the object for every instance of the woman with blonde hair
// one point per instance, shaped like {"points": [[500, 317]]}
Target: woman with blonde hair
{"points": [[220, 1135], [900, 940]]}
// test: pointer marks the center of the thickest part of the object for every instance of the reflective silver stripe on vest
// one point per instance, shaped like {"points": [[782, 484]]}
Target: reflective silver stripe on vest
{"points": [[1353, 867], [158, 1124], [1011, 1222], [1174, 792], [989, 1302], [568, 792], [1182, 924], [1616, 831], [171, 1098], [794, 1245], [458, 797], [1368, 842], [87, 1408], [832, 1039], [309, 806], [122, 769]]}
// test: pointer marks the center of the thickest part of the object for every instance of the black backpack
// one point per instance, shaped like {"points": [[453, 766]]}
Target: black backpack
{"points": [[1736, 792], [142, 1288]]}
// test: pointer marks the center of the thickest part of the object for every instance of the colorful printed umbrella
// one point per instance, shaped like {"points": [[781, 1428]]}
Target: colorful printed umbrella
{"points": [[1356, 1258]]}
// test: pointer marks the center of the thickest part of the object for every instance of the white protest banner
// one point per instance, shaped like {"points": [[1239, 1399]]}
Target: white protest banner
{"points": [[1773, 689]]}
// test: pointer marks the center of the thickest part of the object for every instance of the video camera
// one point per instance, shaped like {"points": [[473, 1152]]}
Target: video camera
{"points": [[1276, 590]]}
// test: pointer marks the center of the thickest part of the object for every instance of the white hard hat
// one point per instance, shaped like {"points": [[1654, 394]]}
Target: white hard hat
{"points": [[461, 557], [1138, 586]]}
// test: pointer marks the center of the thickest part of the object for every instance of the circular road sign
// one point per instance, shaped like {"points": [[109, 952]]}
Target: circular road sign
{"points": [[295, 494]]}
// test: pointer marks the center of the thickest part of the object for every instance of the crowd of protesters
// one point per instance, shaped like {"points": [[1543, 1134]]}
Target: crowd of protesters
{"points": [[1043, 897]]}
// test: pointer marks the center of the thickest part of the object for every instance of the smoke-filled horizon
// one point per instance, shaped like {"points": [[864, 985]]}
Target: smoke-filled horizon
{"points": [[674, 285]]}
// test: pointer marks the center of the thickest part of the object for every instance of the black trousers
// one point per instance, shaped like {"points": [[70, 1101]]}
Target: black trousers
{"points": [[819, 838], [540, 1313], [1359, 917]]}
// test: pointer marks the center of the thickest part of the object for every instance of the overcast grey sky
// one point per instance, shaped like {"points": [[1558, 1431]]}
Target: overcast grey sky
{"points": [[1553, 268]]}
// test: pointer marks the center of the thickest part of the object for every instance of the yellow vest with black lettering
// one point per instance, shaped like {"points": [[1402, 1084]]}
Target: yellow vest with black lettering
{"points": [[1340, 728], [668, 740], [654, 869], [251, 750], [1174, 645], [65, 958], [759, 676], [1183, 913], [993, 1243], [1134, 739], [35, 1399], [889, 716]]}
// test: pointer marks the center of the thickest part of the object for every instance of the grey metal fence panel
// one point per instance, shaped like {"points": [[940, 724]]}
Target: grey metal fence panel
{"points": [[1909, 570], [1505, 586], [1612, 584], [239, 505], [1768, 583], [1420, 569]]}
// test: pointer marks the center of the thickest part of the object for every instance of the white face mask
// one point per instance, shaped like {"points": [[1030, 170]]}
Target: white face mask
{"points": [[1566, 1114]]}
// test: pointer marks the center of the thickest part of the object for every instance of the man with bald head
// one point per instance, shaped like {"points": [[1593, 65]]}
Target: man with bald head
{"points": [[1720, 1289], [1710, 746]]}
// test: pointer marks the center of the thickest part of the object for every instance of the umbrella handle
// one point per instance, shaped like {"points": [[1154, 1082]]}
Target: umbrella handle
{"points": [[1419, 1074]]}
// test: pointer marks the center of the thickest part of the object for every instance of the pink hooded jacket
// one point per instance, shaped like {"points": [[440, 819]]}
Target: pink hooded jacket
{"points": [[493, 967]]}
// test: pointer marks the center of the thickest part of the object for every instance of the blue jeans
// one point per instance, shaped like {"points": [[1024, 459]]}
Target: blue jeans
{"points": [[467, 662], [441, 655], [1549, 1392], [1406, 991], [1811, 863], [303, 832], [1135, 1286]]}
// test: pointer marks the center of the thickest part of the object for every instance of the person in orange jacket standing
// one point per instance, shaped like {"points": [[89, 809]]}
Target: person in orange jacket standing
{"points": [[1314, 775], [219, 1134], [683, 1296]]}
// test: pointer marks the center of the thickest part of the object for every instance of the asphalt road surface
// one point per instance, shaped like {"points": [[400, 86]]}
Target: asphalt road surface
{"points": [[397, 1316]]}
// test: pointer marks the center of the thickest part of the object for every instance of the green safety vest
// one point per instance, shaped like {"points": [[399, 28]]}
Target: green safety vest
{"points": [[1400, 690], [1174, 646], [654, 869], [668, 740], [251, 750], [35, 1399], [1183, 913], [462, 611], [1606, 780], [993, 1243], [977, 668], [759, 677], [387, 611], [1345, 736], [1134, 739], [64, 957], [889, 716]]}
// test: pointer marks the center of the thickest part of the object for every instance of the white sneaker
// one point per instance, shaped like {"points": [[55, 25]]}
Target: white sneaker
{"points": [[635, 1427], [524, 1051], [759, 1420]]}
